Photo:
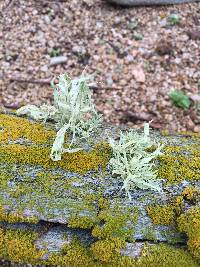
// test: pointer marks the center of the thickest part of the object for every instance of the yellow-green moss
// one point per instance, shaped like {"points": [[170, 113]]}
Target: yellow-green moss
{"points": [[189, 223], [162, 215], [60, 192], [191, 194], [181, 162], [166, 214], [72, 255], [15, 217], [192, 135], [175, 166], [162, 255], [110, 225], [13, 128], [84, 222], [103, 203], [113, 223], [19, 246], [108, 250], [80, 162]]}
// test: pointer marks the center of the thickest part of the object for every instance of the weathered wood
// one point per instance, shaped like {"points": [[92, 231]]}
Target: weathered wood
{"points": [[78, 196]]}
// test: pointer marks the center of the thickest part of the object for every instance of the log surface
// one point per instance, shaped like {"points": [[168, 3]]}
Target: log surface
{"points": [[61, 204]]}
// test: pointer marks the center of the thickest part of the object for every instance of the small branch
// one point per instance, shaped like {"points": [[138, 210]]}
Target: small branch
{"points": [[96, 88], [48, 81], [20, 80], [132, 116]]}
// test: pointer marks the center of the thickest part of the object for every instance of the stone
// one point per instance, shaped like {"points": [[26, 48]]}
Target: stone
{"points": [[164, 47], [149, 2], [194, 34], [58, 60]]}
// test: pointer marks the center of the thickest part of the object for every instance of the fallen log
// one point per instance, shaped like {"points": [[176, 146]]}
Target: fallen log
{"points": [[74, 213]]}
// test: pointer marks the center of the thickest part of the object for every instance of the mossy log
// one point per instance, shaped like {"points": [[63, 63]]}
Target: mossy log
{"points": [[74, 213]]}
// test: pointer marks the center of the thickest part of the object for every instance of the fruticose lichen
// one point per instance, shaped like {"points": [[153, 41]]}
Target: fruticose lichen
{"points": [[134, 162], [73, 111]]}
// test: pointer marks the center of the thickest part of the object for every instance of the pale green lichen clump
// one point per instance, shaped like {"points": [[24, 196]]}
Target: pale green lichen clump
{"points": [[72, 105], [73, 111], [133, 162]]}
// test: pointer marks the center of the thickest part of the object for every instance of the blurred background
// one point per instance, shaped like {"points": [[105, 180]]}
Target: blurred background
{"points": [[145, 60]]}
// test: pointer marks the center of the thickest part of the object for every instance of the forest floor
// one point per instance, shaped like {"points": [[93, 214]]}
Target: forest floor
{"points": [[137, 55]]}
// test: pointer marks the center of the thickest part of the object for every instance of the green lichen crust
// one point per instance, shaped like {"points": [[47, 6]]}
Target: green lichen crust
{"points": [[58, 245], [26, 142], [33, 186], [79, 192]]}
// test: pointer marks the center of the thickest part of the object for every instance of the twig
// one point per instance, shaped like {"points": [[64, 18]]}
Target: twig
{"points": [[48, 81], [20, 80], [132, 116]]}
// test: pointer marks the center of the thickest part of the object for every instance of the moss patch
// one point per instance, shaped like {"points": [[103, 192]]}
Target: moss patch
{"points": [[108, 250], [166, 256], [38, 153], [191, 194], [13, 128], [80, 162], [19, 246], [180, 163], [11, 217], [189, 223]]}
